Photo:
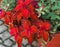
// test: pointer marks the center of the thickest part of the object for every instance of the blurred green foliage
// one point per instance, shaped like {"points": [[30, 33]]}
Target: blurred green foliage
{"points": [[51, 12], [8, 4]]}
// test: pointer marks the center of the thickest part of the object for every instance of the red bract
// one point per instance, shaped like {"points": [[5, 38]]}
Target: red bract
{"points": [[8, 17], [31, 8], [33, 16], [27, 2], [18, 7], [40, 25], [26, 24], [30, 39], [25, 13], [45, 35], [18, 40], [19, 1], [47, 25], [2, 14], [41, 33], [34, 29], [19, 16], [8, 13], [14, 31], [25, 34], [7, 20], [22, 4]]}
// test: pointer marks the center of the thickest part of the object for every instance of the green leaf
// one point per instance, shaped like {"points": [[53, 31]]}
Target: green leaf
{"points": [[58, 17], [53, 1], [42, 1], [11, 3], [55, 27], [39, 4]]}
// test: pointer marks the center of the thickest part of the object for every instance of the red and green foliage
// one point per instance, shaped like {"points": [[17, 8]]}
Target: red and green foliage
{"points": [[24, 20]]}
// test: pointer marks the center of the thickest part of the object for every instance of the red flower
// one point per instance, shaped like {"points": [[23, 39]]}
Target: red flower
{"points": [[19, 16], [19, 1], [30, 39], [33, 16], [2, 14], [22, 4], [25, 13], [27, 2], [7, 20], [8, 13], [47, 25], [18, 7], [39, 24], [18, 40], [41, 33], [33, 29], [45, 35], [14, 31], [24, 34], [26, 24]]}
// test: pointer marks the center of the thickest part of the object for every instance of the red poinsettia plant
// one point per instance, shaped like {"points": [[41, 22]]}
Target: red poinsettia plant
{"points": [[25, 23]]}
